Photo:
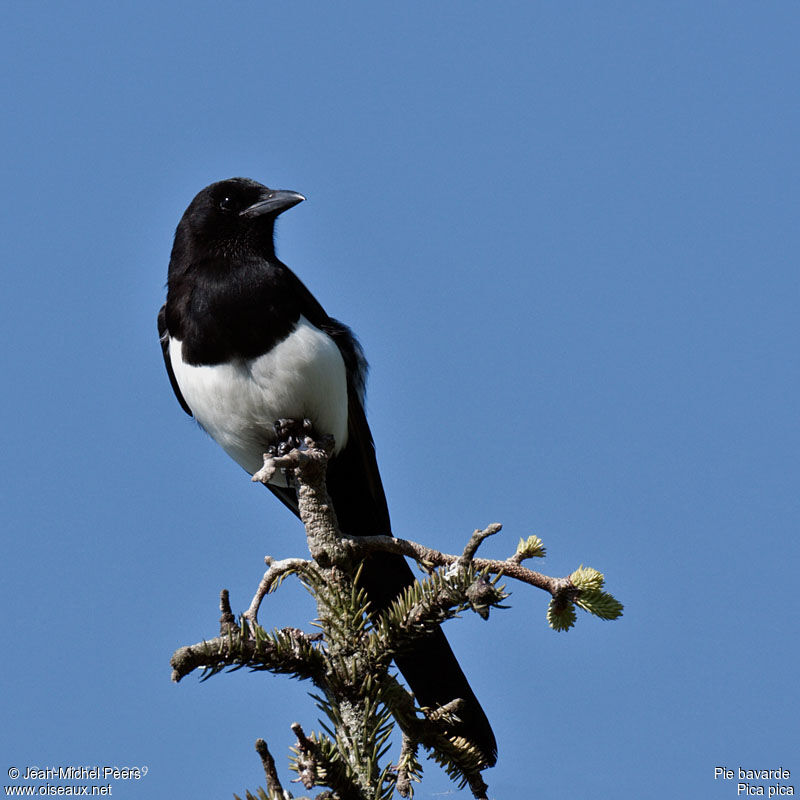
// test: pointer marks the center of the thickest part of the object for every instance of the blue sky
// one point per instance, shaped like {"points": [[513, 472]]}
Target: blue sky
{"points": [[566, 234]]}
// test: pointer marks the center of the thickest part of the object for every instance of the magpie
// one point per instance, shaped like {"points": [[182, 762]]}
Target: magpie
{"points": [[245, 344]]}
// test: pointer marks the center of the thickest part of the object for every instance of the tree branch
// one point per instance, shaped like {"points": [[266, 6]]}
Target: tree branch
{"points": [[277, 571], [430, 559], [270, 773], [349, 660], [287, 651]]}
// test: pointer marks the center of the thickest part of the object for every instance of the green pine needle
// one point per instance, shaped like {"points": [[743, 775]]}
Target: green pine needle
{"points": [[601, 604], [460, 760], [262, 795], [587, 578], [561, 619], [532, 547]]}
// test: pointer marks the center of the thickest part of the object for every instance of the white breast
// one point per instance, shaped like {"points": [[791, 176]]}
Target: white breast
{"points": [[303, 377]]}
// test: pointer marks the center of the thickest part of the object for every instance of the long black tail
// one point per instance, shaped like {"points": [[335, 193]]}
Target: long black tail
{"points": [[430, 668]]}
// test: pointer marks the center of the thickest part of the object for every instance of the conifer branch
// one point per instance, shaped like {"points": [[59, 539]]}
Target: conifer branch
{"points": [[429, 558], [274, 788], [289, 650], [423, 606], [348, 661], [408, 767], [564, 591], [307, 469], [276, 572]]}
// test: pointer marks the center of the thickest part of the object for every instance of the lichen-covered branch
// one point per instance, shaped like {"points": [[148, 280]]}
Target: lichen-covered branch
{"points": [[307, 468], [276, 572], [286, 651], [583, 587], [274, 786]]}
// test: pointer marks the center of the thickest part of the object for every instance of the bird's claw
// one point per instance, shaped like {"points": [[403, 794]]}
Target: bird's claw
{"points": [[289, 435]]}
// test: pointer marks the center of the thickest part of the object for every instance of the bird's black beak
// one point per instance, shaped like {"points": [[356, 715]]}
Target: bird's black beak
{"points": [[276, 202]]}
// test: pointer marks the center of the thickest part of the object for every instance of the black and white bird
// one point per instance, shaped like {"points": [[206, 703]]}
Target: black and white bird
{"points": [[246, 344]]}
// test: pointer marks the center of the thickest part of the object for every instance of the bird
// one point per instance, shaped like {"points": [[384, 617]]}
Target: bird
{"points": [[246, 344]]}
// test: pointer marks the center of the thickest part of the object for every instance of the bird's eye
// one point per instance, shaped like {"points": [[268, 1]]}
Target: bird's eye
{"points": [[227, 204]]}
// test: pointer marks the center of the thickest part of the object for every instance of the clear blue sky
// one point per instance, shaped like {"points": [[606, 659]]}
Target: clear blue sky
{"points": [[567, 235]]}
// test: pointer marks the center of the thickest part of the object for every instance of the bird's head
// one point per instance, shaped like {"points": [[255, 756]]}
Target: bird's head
{"points": [[232, 215]]}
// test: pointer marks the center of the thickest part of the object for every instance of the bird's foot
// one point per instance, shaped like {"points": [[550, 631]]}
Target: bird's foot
{"points": [[296, 446], [290, 434]]}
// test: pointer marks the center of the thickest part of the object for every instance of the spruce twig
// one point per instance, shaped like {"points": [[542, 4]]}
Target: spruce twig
{"points": [[564, 591], [274, 788], [276, 572]]}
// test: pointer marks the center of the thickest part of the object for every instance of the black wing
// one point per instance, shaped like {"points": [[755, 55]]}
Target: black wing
{"points": [[163, 335]]}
